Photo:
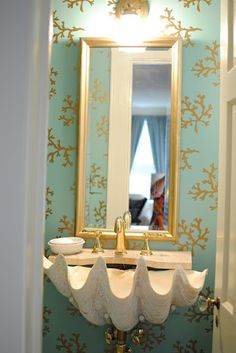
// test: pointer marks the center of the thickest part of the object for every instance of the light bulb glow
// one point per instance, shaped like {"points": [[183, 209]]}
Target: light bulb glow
{"points": [[129, 30]]}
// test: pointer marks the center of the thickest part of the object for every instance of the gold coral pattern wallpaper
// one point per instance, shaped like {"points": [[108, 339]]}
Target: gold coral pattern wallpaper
{"points": [[197, 22]]}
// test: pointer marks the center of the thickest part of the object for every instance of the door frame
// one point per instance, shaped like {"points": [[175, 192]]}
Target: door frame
{"points": [[24, 72]]}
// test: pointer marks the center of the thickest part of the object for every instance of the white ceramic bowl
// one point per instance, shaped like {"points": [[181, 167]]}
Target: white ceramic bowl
{"points": [[66, 245]]}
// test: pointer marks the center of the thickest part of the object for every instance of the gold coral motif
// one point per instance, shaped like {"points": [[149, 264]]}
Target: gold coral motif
{"points": [[207, 188], [52, 75], [192, 236], [194, 314], [59, 150], [210, 64], [70, 344], [67, 226], [190, 347], [72, 3], [64, 31], [185, 158], [49, 193], [112, 3], [199, 112], [96, 180], [96, 95], [46, 313], [73, 188], [102, 127], [152, 338], [70, 105], [100, 212], [73, 311], [177, 29], [188, 3]]}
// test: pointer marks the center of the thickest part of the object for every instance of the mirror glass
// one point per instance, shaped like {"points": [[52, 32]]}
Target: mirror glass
{"points": [[128, 136], [150, 141]]}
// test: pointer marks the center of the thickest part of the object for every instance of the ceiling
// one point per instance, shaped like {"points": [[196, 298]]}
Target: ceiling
{"points": [[151, 89]]}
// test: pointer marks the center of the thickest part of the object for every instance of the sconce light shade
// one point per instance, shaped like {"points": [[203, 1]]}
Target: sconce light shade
{"points": [[132, 7]]}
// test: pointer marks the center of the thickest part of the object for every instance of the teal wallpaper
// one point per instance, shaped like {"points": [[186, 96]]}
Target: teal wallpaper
{"points": [[197, 22]]}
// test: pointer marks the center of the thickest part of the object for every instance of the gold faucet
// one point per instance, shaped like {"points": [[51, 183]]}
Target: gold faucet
{"points": [[119, 229]]}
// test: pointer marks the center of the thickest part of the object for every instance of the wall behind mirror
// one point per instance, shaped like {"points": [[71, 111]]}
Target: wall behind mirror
{"points": [[130, 111]]}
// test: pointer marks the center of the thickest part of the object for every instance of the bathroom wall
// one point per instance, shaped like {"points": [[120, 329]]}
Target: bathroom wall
{"points": [[186, 330]]}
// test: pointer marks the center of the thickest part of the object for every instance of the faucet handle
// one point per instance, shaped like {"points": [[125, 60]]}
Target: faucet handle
{"points": [[127, 217], [146, 249], [119, 229], [97, 245], [118, 224]]}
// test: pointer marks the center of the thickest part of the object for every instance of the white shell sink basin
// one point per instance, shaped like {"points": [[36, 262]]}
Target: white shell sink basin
{"points": [[123, 296]]}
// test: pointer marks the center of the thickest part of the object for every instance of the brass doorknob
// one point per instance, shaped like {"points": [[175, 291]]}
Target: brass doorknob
{"points": [[205, 303]]}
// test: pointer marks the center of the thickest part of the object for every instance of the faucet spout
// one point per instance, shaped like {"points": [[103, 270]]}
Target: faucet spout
{"points": [[119, 229]]}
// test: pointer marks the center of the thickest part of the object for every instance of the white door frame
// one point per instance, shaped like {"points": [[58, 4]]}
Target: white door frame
{"points": [[24, 68]]}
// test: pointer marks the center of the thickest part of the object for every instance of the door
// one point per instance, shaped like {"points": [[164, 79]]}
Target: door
{"points": [[224, 336]]}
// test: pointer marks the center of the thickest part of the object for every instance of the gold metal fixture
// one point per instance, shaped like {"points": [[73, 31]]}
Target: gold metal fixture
{"points": [[214, 302], [120, 336], [132, 7], [121, 341], [137, 336], [110, 335], [119, 229], [97, 248], [146, 249], [205, 303], [127, 219]]}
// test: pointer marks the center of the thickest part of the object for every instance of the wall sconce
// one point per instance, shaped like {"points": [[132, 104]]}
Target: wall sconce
{"points": [[132, 7], [131, 25]]}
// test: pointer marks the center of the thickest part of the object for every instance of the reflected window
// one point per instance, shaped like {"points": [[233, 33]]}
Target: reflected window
{"points": [[147, 186], [143, 165], [149, 158]]}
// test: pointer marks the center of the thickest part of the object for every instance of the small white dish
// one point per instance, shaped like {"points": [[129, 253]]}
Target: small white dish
{"points": [[66, 245]]}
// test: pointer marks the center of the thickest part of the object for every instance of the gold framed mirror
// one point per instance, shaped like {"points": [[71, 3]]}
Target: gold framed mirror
{"points": [[129, 109]]}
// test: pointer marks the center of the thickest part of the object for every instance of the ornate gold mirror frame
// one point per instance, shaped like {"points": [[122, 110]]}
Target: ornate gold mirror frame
{"points": [[176, 49]]}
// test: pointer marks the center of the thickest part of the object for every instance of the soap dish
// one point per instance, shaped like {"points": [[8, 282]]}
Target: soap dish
{"points": [[66, 245]]}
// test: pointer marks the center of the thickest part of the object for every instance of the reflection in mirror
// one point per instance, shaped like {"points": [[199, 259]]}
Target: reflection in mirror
{"points": [[149, 161], [128, 135]]}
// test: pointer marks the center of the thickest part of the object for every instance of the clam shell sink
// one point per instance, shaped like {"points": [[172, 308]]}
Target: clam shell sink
{"points": [[104, 294]]}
